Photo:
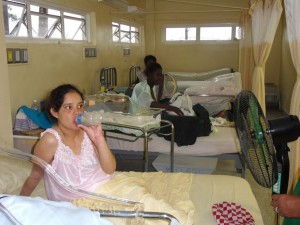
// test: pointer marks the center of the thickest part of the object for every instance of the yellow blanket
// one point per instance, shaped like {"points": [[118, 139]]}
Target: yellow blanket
{"points": [[159, 192]]}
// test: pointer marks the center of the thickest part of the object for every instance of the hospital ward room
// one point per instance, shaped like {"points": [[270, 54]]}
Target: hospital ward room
{"points": [[129, 112]]}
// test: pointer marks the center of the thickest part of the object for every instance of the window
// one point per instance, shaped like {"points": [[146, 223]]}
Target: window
{"points": [[220, 32], [125, 33], [22, 19], [215, 33], [181, 34], [238, 32]]}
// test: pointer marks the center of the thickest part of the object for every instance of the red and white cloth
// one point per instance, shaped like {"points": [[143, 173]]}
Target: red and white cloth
{"points": [[231, 214]]}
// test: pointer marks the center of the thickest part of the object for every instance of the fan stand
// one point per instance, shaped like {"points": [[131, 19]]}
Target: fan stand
{"points": [[283, 163], [248, 115], [283, 168]]}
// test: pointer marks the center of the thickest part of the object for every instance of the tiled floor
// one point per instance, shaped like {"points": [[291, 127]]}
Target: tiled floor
{"points": [[274, 112]]}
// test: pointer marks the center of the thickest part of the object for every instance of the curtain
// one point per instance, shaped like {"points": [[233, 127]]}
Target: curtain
{"points": [[246, 58], [292, 8], [265, 18]]}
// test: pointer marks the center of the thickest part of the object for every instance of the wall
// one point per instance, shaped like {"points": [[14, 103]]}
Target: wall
{"points": [[273, 64], [5, 125], [202, 56], [51, 64], [288, 75], [199, 56]]}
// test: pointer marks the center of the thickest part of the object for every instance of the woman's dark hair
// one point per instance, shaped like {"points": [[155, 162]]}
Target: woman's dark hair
{"points": [[56, 97], [152, 68], [149, 58]]}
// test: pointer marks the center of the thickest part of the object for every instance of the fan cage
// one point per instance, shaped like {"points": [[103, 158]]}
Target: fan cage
{"points": [[255, 139]]}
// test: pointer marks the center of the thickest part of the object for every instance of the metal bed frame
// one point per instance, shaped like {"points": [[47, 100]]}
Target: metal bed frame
{"points": [[108, 77], [146, 135], [133, 74]]}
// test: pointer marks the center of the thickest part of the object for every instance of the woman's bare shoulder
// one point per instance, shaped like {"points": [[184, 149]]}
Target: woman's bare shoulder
{"points": [[46, 146]]}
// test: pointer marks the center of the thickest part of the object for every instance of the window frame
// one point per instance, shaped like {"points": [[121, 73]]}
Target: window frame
{"points": [[130, 24], [62, 10], [185, 26], [198, 26]]}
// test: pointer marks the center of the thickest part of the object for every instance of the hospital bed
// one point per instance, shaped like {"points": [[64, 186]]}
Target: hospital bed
{"points": [[200, 194], [133, 71], [108, 78], [199, 76], [216, 93], [215, 89], [127, 137]]}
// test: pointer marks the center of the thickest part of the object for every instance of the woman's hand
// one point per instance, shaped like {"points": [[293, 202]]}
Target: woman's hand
{"points": [[286, 205], [94, 132], [102, 150]]}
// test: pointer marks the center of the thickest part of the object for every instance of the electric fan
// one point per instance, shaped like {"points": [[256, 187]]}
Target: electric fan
{"points": [[264, 143]]}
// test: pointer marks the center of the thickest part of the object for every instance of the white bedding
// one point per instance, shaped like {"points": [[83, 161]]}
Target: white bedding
{"points": [[214, 94], [222, 141], [205, 190], [199, 76]]}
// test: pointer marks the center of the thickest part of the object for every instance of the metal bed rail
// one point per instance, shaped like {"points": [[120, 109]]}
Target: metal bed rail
{"points": [[108, 77], [133, 74]]}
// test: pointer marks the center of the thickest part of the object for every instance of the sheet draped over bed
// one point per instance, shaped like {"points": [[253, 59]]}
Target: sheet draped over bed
{"points": [[222, 141], [166, 194]]}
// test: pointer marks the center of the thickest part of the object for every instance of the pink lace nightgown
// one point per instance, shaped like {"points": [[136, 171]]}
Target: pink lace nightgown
{"points": [[81, 171]]}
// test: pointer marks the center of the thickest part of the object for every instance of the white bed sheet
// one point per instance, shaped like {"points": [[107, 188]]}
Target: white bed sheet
{"points": [[199, 75], [205, 191], [222, 141]]}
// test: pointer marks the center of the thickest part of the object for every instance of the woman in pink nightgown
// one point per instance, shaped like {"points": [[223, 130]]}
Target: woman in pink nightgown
{"points": [[79, 154]]}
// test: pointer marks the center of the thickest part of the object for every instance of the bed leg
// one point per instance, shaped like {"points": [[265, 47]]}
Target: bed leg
{"points": [[146, 156]]}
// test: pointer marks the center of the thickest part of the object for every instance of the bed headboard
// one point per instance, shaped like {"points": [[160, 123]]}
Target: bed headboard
{"points": [[133, 74], [108, 77]]}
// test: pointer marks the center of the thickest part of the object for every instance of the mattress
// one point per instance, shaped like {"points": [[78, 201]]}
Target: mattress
{"points": [[205, 190], [222, 140]]}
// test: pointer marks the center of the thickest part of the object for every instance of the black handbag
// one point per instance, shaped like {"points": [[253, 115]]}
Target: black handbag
{"points": [[187, 128]]}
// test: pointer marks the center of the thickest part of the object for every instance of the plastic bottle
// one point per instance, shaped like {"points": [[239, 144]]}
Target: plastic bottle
{"points": [[35, 105], [89, 118]]}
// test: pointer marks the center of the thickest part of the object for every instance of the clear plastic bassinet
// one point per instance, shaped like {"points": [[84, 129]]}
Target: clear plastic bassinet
{"points": [[117, 103], [120, 113], [123, 211]]}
